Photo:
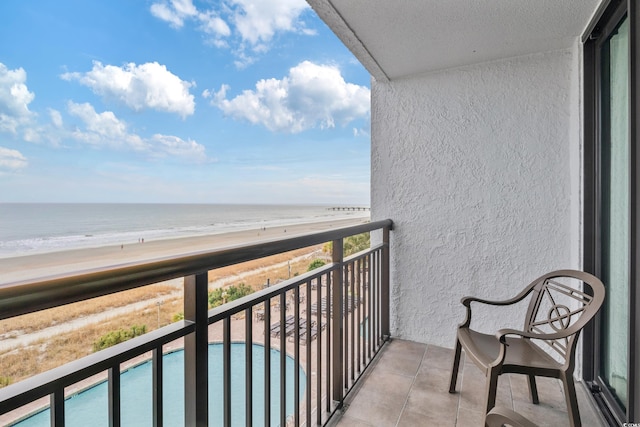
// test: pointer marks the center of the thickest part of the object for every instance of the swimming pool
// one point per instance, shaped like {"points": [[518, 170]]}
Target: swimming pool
{"points": [[90, 406]]}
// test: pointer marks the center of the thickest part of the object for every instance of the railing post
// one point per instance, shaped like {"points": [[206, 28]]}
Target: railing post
{"points": [[337, 345], [114, 396], [57, 408], [156, 379], [384, 292], [196, 351]]}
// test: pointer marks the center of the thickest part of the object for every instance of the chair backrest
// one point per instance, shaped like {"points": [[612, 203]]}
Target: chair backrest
{"points": [[563, 302]]}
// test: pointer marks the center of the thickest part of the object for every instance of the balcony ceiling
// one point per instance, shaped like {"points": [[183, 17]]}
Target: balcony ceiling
{"points": [[400, 38]]}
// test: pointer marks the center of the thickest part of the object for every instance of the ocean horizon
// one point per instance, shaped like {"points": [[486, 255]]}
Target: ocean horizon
{"points": [[33, 228]]}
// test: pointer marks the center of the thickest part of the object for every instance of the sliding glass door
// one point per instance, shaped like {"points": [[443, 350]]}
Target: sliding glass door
{"points": [[615, 206], [611, 358]]}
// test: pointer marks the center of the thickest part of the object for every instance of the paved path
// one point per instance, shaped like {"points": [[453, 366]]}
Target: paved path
{"points": [[72, 325]]}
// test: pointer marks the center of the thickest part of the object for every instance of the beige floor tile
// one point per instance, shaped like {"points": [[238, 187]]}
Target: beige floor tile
{"points": [[432, 379], [473, 390], [402, 357], [439, 357], [388, 383], [411, 348], [347, 421], [542, 414], [412, 419], [469, 418], [549, 391], [394, 395], [375, 409], [433, 404], [401, 364]]}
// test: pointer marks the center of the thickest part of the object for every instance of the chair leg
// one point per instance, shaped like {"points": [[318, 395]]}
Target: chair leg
{"points": [[492, 386], [572, 400], [455, 366], [533, 390]]}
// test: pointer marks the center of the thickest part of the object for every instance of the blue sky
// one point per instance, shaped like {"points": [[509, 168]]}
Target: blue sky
{"points": [[185, 101]]}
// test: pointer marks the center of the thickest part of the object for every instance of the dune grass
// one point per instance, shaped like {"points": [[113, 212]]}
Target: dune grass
{"points": [[32, 322]]}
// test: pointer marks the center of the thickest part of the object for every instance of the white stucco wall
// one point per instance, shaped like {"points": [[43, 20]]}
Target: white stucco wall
{"points": [[479, 169]]}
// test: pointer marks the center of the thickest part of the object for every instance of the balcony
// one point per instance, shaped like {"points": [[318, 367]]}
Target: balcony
{"points": [[321, 320]]}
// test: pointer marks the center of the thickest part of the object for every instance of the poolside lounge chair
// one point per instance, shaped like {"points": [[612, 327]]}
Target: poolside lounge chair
{"points": [[348, 306], [562, 302], [304, 337], [322, 305], [289, 326], [276, 327]]}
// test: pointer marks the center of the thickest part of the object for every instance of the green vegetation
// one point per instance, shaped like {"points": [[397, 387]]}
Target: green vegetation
{"points": [[116, 337], [5, 381], [178, 316], [352, 244], [219, 296], [316, 263], [357, 243]]}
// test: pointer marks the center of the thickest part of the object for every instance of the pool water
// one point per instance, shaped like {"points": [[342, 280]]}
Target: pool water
{"points": [[90, 407]]}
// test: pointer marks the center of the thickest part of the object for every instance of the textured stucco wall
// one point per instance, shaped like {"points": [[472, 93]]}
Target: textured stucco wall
{"points": [[478, 167]]}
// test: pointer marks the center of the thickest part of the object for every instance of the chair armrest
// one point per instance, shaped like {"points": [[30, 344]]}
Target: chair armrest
{"points": [[502, 333], [466, 301]]}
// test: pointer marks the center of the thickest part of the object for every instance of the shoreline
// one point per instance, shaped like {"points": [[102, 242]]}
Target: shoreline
{"points": [[37, 266]]}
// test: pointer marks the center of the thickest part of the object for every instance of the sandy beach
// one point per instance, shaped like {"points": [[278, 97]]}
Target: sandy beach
{"points": [[42, 265]]}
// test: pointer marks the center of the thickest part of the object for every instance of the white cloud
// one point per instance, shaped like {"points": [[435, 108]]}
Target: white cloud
{"points": [[237, 24], [213, 24], [148, 85], [361, 132], [257, 20], [174, 12], [14, 99], [174, 146], [310, 96], [11, 160], [163, 12], [102, 128], [56, 118], [106, 130]]}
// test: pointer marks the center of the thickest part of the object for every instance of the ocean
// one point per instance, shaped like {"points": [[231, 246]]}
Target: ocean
{"points": [[31, 228]]}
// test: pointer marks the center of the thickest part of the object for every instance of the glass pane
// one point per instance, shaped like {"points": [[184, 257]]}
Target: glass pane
{"points": [[616, 201]]}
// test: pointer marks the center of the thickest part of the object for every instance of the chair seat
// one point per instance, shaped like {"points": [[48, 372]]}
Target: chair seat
{"points": [[522, 354]]}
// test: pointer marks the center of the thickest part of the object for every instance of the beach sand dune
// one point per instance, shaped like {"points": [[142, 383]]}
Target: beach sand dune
{"points": [[37, 266]]}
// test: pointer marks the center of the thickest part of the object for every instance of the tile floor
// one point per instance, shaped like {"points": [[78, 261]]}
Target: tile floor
{"points": [[408, 386]]}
